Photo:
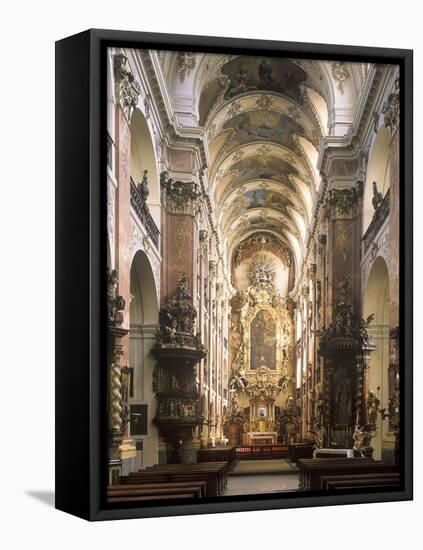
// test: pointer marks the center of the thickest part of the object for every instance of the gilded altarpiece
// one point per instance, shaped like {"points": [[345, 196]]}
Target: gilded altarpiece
{"points": [[262, 350]]}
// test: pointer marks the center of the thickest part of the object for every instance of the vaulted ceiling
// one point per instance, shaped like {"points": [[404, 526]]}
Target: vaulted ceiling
{"points": [[262, 137], [263, 120]]}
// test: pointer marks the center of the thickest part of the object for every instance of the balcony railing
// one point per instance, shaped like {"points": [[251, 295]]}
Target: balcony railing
{"points": [[140, 206], [378, 220]]}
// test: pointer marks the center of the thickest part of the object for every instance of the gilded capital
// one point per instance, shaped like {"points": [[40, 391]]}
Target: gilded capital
{"points": [[342, 203], [179, 197], [127, 86]]}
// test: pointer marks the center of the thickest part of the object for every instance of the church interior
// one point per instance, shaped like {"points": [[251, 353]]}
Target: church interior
{"points": [[252, 275]]}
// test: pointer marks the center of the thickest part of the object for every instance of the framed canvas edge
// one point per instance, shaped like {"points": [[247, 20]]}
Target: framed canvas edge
{"points": [[93, 509]]}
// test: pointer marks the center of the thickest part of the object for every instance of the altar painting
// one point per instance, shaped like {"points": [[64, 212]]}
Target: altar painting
{"points": [[263, 341]]}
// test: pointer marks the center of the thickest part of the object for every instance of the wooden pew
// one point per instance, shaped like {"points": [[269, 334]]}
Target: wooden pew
{"points": [[300, 450], [314, 471], [221, 468], [217, 454], [198, 487], [337, 482], [303, 464], [142, 498], [214, 474], [130, 492]]}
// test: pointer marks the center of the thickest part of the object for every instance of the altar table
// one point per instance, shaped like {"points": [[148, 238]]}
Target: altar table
{"points": [[262, 438]]}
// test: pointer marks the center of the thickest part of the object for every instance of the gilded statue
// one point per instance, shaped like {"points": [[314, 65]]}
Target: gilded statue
{"points": [[372, 403], [239, 379], [359, 437]]}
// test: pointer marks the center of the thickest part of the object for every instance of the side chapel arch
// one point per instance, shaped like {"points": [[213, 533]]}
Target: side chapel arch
{"points": [[376, 301], [144, 316]]}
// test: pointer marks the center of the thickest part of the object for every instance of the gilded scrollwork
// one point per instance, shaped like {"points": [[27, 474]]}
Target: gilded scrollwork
{"points": [[261, 298], [115, 302]]}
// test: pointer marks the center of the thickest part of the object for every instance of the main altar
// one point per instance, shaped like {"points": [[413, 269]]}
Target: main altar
{"points": [[262, 363]]}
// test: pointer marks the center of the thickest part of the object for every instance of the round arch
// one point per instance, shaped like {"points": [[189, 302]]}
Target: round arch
{"points": [[144, 318], [376, 302], [144, 308], [378, 170], [143, 157]]}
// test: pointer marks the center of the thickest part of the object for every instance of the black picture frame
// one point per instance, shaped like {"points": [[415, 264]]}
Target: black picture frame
{"points": [[139, 415], [81, 151]]}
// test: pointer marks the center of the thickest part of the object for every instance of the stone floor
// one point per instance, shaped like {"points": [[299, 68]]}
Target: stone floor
{"points": [[262, 476]]}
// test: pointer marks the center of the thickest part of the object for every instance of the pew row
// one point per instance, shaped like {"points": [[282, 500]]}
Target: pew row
{"points": [[353, 481], [149, 491], [212, 474], [312, 470]]}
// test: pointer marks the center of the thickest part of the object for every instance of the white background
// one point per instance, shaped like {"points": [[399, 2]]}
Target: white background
{"points": [[28, 32]]}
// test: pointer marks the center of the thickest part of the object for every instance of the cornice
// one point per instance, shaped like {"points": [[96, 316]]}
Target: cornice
{"points": [[175, 134], [349, 145]]}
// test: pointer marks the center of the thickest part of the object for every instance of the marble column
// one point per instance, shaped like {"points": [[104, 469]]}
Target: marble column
{"points": [[127, 91], [343, 217]]}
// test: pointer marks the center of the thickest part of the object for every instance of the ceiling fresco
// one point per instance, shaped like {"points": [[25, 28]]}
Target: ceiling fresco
{"points": [[256, 169], [263, 199], [249, 74], [260, 132], [258, 73], [262, 125], [260, 219]]}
